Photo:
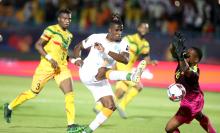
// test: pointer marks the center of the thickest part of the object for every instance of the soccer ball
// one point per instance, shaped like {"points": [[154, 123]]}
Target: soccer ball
{"points": [[176, 92]]}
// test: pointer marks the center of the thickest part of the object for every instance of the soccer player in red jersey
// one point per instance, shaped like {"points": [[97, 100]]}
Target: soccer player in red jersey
{"points": [[187, 74]]}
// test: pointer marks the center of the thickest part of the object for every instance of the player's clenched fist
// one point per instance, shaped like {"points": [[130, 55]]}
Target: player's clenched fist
{"points": [[54, 64], [99, 47]]}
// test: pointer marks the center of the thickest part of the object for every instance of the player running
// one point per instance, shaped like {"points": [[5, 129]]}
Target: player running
{"points": [[187, 74], [105, 49], [53, 48], [138, 46], [126, 91]]}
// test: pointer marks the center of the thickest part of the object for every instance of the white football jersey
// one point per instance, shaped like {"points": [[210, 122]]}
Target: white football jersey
{"points": [[95, 58]]}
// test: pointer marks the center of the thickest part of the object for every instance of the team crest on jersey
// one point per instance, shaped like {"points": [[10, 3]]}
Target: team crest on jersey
{"points": [[177, 74]]}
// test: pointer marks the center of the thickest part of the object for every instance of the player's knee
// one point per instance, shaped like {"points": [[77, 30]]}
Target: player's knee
{"points": [[168, 130], [101, 73], [110, 105], [139, 89]]}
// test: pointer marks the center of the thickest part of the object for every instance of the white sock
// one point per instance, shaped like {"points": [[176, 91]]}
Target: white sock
{"points": [[9, 107], [100, 119], [118, 75]]}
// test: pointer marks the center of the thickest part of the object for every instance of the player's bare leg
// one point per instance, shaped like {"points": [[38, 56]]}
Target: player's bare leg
{"points": [[107, 110], [119, 93], [98, 107], [100, 76], [205, 123], [172, 125], [106, 73], [66, 87]]}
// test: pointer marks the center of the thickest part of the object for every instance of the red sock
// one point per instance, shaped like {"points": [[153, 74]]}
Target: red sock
{"points": [[176, 130], [206, 124]]}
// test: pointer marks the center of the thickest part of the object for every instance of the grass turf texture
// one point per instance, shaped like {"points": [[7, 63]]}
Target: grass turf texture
{"points": [[148, 113]]}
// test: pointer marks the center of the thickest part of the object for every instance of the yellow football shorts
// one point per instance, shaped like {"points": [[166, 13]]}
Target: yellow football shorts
{"points": [[42, 76]]}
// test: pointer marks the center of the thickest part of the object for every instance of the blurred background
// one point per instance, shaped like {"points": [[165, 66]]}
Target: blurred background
{"points": [[22, 23]]}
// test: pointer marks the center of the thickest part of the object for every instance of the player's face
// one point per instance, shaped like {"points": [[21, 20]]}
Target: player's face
{"points": [[115, 32], [64, 20], [143, 29], [192, 57]]}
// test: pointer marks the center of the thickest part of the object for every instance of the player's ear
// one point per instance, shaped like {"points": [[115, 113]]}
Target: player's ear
{"points": [[197, 60], [109, 30], [58, 18]]}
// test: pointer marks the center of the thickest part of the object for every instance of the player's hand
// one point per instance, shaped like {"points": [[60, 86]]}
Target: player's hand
{"points": [[54, 64], [180, 50], [178, 44], [78, 63], [154, 62], [99, 47]]}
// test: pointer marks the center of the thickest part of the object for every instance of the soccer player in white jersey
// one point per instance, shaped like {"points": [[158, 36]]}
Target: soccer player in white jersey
{"points": [[105, 50]]}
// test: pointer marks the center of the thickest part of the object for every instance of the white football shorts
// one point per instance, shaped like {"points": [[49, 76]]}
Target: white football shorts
{"points": [[98, 89]]}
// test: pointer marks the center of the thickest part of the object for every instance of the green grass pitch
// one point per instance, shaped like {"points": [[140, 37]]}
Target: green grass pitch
{"points": [[148, 113]]}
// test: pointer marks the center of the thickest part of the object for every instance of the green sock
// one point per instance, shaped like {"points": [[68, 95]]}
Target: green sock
{"points": [[128, 77], [88, 130]]}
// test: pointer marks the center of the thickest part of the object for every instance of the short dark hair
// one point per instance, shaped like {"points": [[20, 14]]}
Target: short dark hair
{"points": [[67, 11], [116, 19], [143, 22], [198, 52]]}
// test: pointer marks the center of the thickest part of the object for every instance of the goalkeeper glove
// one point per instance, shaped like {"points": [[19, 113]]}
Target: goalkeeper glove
{"points": [[178, 44]]}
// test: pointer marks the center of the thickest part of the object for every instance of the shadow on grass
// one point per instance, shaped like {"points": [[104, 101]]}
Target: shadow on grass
{"points": [[146, 117], [108, 125], [40, 127], [39, 115]]}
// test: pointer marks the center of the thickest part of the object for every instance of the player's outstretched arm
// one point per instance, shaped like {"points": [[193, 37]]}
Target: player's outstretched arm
{"points": [[180, 51], [172, 51]]}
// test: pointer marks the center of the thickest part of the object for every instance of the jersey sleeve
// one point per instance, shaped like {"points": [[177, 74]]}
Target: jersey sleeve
{"points": [[145, 48], [47, 34], [124, 45], [89, 41]]}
